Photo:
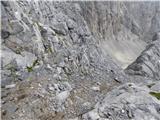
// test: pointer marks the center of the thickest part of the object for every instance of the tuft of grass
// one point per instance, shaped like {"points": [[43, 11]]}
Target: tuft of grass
{"points": [[155, 94], [36, 62], [30, 68], [50, 50]]}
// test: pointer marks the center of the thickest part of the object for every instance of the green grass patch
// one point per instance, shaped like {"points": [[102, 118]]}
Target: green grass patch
{"points": [[155, 94]]}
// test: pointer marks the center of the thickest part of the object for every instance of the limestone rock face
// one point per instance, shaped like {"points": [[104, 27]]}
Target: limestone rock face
{"points": [[65, 60], [148, 63]]}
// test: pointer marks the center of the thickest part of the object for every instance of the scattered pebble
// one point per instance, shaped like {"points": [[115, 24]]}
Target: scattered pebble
{"points": [[10, 86], [95, 88], [51, 88], [63, 96]]}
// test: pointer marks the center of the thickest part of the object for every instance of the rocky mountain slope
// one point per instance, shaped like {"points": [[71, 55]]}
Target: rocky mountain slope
{"points": [[66, 60]]}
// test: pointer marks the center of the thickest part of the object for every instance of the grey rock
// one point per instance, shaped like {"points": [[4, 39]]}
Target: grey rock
{"points": [[155, 86], [60, 28], [156, 36], [71, 24], [132, 102], [10, 108], [26, 59], [5, 34]]}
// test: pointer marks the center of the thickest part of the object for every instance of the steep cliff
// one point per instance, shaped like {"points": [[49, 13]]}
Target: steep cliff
{"points": [[125, 27]]}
